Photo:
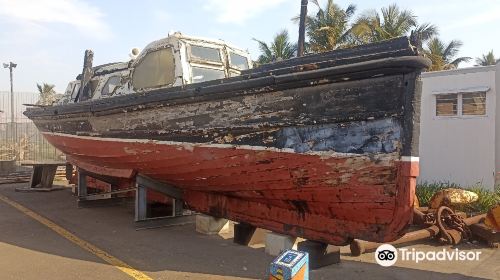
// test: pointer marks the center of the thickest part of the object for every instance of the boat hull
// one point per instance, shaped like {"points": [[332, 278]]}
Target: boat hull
{"points": [[323, 196], [323, 147]]}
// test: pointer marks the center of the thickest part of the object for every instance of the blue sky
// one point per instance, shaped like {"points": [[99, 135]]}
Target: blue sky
{"points": [[47, 38]]}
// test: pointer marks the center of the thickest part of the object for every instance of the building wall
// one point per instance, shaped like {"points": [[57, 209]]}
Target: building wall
{"points": [[497, 126], [459, 149]]}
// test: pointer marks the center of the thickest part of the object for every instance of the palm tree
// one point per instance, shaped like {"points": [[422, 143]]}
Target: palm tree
{"points": [[47, 94], [329, 28], [443, 56], [280, 48], [488, 59], [393, 22], [426, 31]]}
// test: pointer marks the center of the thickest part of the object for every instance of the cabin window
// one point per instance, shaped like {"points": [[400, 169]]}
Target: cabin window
{"points": [[205, 53], [206, 74], [156, 69], [74, 93], [69, 89], [89, 90], [93, 85], [75, 89], [111, 85], [446, 104], [474, 103], [238, 61]]}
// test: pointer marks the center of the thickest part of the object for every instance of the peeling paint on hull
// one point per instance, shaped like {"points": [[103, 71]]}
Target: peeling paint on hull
{"points": [[325, 151], [324, 197]]}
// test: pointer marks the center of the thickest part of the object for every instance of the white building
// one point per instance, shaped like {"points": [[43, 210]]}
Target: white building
{"points": [[460, 126]]}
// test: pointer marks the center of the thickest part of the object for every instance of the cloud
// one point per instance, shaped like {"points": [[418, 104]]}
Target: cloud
{"points": [[77, 13], [463, 14], [239, 11], [491, 14]]}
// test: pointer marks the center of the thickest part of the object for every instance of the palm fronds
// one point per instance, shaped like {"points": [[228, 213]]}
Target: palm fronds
{"points": [[279, 49], [443, 55], [487, 59], [47, 94], [391, 22]]}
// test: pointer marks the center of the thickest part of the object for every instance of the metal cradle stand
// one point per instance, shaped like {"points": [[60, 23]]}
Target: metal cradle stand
{"points": [[86, 200], [179, 216], [42, 177]]}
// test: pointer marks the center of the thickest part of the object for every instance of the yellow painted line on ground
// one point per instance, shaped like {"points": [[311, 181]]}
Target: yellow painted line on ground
{"points": [[81, 243]]}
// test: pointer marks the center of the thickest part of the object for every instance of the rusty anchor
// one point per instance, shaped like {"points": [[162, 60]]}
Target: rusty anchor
{"points": [[452, 227]]}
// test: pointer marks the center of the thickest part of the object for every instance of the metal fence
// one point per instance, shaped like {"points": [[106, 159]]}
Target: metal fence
{"points": [[19, 138]]}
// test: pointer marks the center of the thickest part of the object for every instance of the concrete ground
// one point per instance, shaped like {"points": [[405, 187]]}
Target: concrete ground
{"points": [[30, 250]]}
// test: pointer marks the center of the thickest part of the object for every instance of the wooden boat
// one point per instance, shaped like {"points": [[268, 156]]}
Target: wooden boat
{"points": [[323, 147]]}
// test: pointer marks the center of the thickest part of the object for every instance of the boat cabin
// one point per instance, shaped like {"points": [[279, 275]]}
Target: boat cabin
{"points": [[173, 61]]}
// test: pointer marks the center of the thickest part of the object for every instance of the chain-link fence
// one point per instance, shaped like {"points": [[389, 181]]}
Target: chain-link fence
{"points": [[19, 138]]}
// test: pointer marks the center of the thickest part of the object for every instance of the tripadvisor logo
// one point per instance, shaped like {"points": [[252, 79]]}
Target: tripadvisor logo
{"points": [[387, 255]]}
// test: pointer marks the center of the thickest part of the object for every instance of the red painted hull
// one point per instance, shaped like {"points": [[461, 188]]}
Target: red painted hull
{"points": [[321, 196]]}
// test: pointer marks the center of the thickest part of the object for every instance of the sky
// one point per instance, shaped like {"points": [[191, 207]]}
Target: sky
{"points": [[47, 38]]}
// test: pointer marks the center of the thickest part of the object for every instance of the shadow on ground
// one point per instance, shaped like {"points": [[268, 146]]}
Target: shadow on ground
{"points": [[162, 250]]}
